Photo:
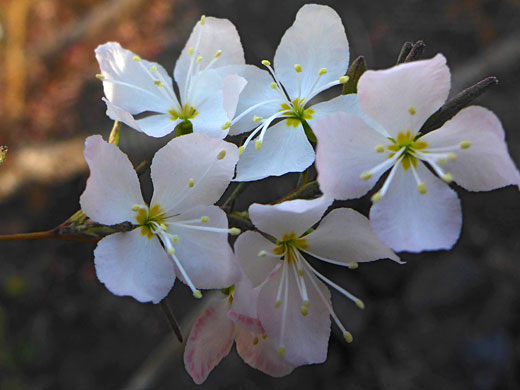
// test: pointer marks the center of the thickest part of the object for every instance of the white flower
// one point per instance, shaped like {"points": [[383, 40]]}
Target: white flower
{"points": [[293, 304], [312, 57], [413, 210], [208, 89], [180, 233]]}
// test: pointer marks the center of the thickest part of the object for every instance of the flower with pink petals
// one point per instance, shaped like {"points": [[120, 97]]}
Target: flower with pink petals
{"points": [[413, 210], [179, 234], [227, 319], [293, 304], [204, 73]]}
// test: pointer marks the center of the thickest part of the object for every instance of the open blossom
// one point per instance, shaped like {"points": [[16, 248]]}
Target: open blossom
{"points": [[413, 210], [208, 90], [179, 234], [312, 57], [229, 318], [293, 304]]}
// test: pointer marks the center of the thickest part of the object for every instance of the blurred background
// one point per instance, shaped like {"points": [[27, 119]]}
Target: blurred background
{"points": [[445, 320]]}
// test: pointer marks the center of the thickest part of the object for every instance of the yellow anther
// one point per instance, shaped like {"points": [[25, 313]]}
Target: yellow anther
{"points": [[304, 311], [281, 350], [158, 83], [136, 207], [100, 76], [190, 51], [421, 187], [171, 251], [301, 272], [221, 155], [353, 266], [136, 58], [199, 59], [218, 53], [343, 79], [442, 161], [347, 336], [163, 226], [262, 253], [376, 197], [226, 125], [452, 157], [204, 219], [240, 150], [447, 177], [380, 149], [298, 68], [234, 231], [412, 110], [366, 175], [266, 63], [255, 341], [191, 183], [273, 85], [306, 303], [360, 304], [203, 20], [322, 71], [175, 238], [257, 118], [197, 294], [277, 303], [465, 144], [153, 68], [258, 144]]}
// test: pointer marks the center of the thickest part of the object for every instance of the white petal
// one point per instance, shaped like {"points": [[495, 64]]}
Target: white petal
{"points": [[343, 237], [406, 220], [113, 187], [284, 149], [215, 34], [192, 159], [316, 40], [261, 354], [256, 268], [154, 125], [292, 216], [403, 97], [131, 264], [306, 337], [232, 88], [210, 340], [243, 310], [206, 256], [138, 93], [346, 148], [486, 164], [257, 90]]}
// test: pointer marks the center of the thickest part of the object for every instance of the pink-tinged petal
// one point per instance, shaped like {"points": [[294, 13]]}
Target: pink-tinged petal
{"points": [[316, 40], [130, 84], [343, 237], [406, 220], [216, 34], [243, 310], [292, 216], [284, 149], [205, 255], [153, 125], [248, 248], [210, 340], [486, 164], [306, 337], [113, 187], [131, 264], [233, 86], [257, 93], [403, 97], [259, 353], [346, 149], [192, 170]]}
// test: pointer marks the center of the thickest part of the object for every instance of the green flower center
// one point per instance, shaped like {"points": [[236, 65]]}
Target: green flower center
{"points": [[410, 145], [150, 219], [188, 112], [296, 112], [288, 244]]}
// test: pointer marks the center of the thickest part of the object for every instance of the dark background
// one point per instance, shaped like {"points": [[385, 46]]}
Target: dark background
{"points": [[445, 320]]}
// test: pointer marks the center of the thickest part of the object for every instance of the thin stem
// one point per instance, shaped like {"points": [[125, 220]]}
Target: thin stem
{"points": [[113, 138], [46, 235], [239, 189], [171, 319]]}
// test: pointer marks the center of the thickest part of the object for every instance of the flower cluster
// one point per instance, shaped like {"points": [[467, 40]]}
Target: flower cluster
{"points": [[274, 302]]}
